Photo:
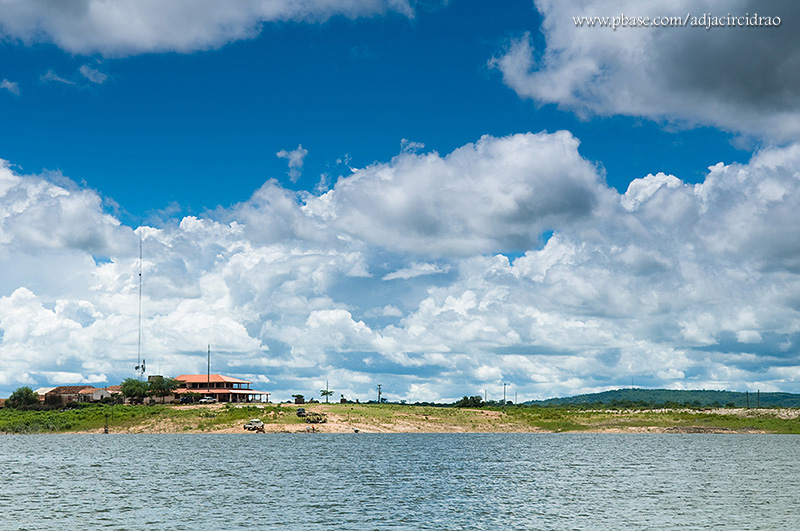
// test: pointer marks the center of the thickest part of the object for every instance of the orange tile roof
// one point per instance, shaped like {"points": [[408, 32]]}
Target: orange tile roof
{"points": [[110, 389], [68, 389], [203, 378]]}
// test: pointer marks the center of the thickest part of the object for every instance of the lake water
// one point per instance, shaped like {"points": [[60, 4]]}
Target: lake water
{"points": [[400, 482]]}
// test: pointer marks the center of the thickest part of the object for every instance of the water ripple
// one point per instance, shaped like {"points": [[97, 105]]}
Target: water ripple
{"points": [[399, 482]]}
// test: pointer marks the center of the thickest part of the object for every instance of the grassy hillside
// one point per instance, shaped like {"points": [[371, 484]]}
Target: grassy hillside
{"points": [[670, 397]]}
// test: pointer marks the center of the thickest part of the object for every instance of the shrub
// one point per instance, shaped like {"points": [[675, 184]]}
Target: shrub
{"points": [[470, 401], [21, 398]]}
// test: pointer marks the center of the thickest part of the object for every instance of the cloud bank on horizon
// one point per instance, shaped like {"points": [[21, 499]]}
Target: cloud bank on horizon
{"points": [[509, 259]]}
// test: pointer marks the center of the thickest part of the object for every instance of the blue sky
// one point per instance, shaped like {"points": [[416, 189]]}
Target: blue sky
{"points": [[435, 196], [201, 129]]}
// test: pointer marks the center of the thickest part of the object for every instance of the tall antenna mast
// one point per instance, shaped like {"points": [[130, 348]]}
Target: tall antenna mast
{"points": [[208, 374], [140, 368]]}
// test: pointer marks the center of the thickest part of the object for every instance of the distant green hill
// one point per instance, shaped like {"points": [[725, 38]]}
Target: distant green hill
{"points": [[670, 397]]}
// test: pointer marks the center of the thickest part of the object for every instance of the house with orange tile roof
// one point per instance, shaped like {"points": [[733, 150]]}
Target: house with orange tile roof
{"points": [[64, 394], [222, 388]]}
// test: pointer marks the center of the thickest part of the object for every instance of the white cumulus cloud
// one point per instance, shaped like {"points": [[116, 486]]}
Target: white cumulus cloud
{"points": [[37, 215], [493, 195], [673, 284], [122, 28], [742, 81]]}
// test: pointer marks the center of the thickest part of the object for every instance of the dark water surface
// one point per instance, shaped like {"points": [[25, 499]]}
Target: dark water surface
{"points": [[400, 482]]}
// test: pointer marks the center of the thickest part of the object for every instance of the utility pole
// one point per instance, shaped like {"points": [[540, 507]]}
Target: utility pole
{"points": [[504, 395], [379, 393], [140, 363], [208, 371], [139, 346]]}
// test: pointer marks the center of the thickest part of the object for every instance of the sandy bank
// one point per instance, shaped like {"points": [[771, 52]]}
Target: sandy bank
{"points": [[377, 419]]}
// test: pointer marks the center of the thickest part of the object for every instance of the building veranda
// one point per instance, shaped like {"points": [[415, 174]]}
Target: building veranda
{"points": [[220, 387]]}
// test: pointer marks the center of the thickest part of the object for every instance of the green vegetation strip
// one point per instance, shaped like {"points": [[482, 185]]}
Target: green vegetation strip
{"points": [[121, 417], [555, 419], [568, 419]]}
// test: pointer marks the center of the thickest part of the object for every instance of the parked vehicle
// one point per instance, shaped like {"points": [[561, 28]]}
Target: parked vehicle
{"points": [[208, 400], [313, 417], [254, 425]]}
